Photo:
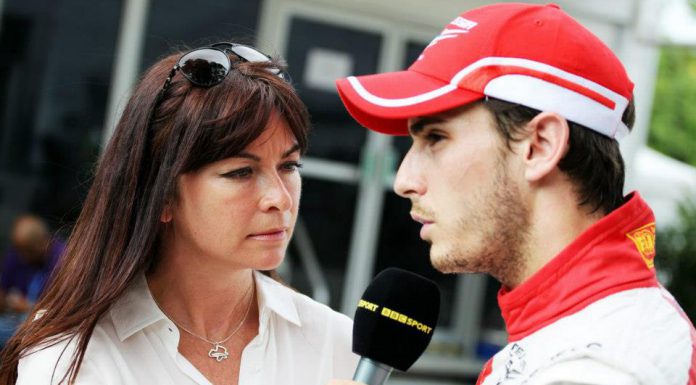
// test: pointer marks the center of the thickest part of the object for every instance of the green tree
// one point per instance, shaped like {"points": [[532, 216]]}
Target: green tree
{"points": [[673, 133], [676, 256], [673, 125]]}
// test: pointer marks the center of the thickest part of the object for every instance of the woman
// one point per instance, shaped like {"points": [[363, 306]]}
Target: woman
{"points": [[196, 194]]}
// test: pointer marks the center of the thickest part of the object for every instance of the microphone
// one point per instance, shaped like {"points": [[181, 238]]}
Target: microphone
{"points": [[394, 322]]}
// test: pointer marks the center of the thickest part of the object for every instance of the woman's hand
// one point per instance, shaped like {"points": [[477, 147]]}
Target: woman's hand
{"points": [[344, 382]]}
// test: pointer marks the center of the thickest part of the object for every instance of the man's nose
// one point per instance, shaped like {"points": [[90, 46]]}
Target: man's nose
{"points": [[409, 180]]}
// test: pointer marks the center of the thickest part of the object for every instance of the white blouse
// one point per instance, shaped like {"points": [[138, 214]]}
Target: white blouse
{"points": [[300, 342]]}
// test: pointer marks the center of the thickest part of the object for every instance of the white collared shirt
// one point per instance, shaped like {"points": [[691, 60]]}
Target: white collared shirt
{"points": [[300, 342]]}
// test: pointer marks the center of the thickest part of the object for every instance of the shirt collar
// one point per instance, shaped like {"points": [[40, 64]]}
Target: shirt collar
{"points": [[613, 255], [136, 309], [275, 297]]}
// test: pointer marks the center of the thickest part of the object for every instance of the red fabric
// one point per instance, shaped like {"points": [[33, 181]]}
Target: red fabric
{"points": [[487, 369], [602, 261]]}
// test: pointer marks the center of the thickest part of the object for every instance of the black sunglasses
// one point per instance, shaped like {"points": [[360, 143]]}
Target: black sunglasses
{"points": [[208, 66]]}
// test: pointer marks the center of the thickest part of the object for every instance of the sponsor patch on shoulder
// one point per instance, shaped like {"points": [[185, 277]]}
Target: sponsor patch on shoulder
{"points": [[644, 239]]}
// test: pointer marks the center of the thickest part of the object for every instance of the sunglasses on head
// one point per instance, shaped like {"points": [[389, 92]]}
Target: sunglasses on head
{"points": [[208, 66]]}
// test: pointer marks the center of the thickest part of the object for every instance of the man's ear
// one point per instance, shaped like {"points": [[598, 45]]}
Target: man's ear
{"points": [[545, 145]]}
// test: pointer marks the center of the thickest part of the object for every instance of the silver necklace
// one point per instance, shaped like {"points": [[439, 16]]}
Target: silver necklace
{"points": [[218, 352]]}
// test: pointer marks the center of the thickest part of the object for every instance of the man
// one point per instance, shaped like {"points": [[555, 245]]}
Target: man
{"points": [[32, 254], [515, 111], [26, 267]]}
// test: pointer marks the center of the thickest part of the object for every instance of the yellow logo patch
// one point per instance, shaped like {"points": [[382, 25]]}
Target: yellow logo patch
{"points": [[644, 239]]}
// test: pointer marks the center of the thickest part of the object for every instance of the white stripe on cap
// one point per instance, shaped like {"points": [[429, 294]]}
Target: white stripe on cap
{"points": [[537, 66], [572, 105], [402, 102]]}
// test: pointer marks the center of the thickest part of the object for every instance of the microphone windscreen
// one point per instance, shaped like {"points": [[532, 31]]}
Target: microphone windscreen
{"points": [[395, 318]]}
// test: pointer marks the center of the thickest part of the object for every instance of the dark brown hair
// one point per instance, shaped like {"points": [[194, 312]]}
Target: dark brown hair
{"points": [[156, 140], [593, 161]]}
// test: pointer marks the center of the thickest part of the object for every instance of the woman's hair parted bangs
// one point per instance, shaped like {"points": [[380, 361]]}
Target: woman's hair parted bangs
{"points": [[204, 125]]}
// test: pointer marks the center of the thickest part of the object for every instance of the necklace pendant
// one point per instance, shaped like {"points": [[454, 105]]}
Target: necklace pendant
{"points": [[219, 353]]}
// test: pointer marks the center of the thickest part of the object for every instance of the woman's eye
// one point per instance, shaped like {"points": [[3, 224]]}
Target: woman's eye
{"points": [[241, 173], [291, 166]]}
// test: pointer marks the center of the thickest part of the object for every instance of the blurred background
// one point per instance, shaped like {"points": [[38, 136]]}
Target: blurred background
{"points": [[67, 66]]}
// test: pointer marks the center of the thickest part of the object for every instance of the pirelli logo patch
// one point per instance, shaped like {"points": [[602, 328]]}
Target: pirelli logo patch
{"points": [[644, 239]]}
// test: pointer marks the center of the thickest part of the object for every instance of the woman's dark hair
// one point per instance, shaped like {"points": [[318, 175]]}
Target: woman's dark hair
{"points": [[593, 161], [116, 235]]}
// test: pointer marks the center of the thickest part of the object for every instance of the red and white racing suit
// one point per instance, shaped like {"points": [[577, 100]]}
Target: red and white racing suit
{"points": [[596, 314]]}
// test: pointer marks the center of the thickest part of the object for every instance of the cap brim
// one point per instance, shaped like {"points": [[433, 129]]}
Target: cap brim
{"points": [[385, 102]]}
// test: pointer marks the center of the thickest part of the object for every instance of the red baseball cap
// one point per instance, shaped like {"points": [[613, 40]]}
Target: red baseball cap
{"points": [[529, 54]]}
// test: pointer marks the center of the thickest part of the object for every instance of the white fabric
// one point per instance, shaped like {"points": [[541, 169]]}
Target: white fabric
{"points": [[547, 96], [629, 338], [583, 371], [300, 342]]}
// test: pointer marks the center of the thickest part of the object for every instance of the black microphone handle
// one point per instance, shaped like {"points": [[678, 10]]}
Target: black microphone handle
{"points": [[371, 372]]}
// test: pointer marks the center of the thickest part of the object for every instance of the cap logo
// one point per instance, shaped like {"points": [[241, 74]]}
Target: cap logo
{"points": [[464, 23], [463, 26], [644, 239]]}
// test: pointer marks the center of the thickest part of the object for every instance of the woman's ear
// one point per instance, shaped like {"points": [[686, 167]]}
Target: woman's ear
{"points": [[545, 146], [166, 215]]}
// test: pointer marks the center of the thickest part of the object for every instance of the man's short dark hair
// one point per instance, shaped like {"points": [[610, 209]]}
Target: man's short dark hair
{"points": [[593, 162]]}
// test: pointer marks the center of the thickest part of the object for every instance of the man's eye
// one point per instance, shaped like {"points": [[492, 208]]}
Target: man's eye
{"points": [[433, 137], [241, 173]]}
